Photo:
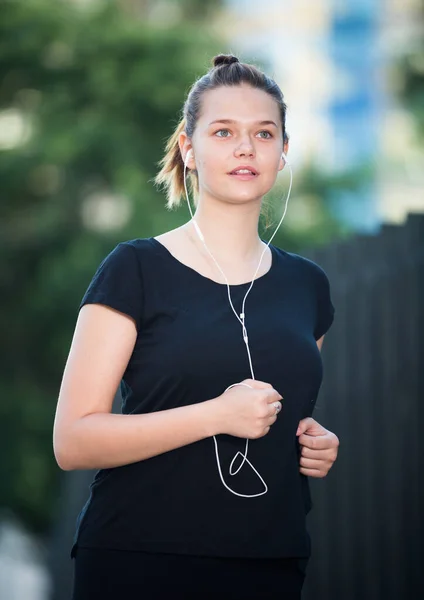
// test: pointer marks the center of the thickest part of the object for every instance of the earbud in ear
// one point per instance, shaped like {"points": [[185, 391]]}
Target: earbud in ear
{"points": [[284, 157], [188, 156]]}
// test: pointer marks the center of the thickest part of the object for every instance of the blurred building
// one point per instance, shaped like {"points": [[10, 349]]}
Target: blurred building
{"points": [[331, 58], [354, 105]]}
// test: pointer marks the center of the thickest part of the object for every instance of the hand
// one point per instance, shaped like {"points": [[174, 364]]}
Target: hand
{"points": [[247, 412], [319, 448]]}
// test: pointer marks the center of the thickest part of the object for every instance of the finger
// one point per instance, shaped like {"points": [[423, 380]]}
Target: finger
{"points": [[275, 408], [312, 472], [325, 454], [271, 420], [273, 396], [311, 427], [312, 463], [307, 422], [316, 442]]}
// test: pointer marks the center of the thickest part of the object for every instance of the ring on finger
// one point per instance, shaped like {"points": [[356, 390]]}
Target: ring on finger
{"points": [[277, 406]]}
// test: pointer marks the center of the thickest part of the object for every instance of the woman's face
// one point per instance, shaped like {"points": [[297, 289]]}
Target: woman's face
{"points": [[237, 126]]}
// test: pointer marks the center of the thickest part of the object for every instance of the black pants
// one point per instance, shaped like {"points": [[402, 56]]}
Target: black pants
{"points": [[115, 574]]}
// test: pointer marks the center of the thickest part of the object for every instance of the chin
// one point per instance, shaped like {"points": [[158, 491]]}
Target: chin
{"points": [[241, 196], [243, 199]]}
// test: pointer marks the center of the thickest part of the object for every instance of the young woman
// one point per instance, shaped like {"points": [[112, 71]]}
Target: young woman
{"points": [[214, 337]]}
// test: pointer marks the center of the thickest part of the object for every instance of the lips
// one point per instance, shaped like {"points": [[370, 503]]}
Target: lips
{"points": [[244, 170]]}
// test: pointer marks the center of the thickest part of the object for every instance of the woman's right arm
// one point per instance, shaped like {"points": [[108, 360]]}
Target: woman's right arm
{"points": [[86, 434]]}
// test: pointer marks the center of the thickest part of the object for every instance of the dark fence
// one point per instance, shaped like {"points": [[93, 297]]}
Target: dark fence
{"points": [[366, 525]]}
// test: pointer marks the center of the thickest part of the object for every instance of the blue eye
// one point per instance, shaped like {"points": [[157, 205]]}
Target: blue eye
{"points": [[269, 135]]}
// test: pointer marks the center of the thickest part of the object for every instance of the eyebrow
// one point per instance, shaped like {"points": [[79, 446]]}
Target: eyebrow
{"points": [[230, 121]]}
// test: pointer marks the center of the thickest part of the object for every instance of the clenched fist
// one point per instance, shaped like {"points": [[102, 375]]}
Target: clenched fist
{"points": [[248, 410]]}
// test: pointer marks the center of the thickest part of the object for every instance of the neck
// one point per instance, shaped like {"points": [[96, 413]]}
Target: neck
{"points": [[230, 231]]}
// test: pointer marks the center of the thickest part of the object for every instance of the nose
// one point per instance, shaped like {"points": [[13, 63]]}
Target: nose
{"points": [[245, 150]]}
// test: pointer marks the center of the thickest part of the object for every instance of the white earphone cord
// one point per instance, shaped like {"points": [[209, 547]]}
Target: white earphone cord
{"points": [[241, 319]]}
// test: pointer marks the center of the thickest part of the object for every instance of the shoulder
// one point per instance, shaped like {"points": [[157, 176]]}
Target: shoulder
{"points": [[129, 252], [122, 263], [136, 245], [118, 281], [303, 265]]}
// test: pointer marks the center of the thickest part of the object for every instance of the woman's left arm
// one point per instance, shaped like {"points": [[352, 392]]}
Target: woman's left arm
{"points": [[319, 445]]}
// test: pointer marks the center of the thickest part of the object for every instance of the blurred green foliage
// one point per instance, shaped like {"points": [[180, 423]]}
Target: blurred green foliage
{"points": [[95, 92], [409, 74], [99, 91]]}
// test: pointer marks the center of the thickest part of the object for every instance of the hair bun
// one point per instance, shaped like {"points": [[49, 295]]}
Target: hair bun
{"points": [[224, 59]]}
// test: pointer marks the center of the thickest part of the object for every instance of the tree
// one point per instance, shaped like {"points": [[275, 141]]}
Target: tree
{"points": [[409, 73], [94, 95]]}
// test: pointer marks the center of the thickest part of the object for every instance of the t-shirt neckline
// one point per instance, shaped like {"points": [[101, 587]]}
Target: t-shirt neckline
{"points": [[182, 265]]}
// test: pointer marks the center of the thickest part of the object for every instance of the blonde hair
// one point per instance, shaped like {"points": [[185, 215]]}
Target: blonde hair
{"points": [[171, 175], [227, 70]]}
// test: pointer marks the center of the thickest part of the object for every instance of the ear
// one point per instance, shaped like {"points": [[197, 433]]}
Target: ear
{"points": [[185, 145], [282, 164]]}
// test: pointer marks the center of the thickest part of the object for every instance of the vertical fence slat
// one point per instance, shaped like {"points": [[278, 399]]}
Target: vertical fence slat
{"points": [[366, 279]]}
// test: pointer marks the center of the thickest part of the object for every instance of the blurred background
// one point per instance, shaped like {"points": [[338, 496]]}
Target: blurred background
{"points": [[89, 92]]}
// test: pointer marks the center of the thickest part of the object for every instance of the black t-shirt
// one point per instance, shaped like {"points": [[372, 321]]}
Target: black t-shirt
{"points": [[189, 349]]}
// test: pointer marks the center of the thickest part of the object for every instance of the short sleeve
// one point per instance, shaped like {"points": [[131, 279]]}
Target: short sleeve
{"points": [[325, 308], [118, 283]]}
